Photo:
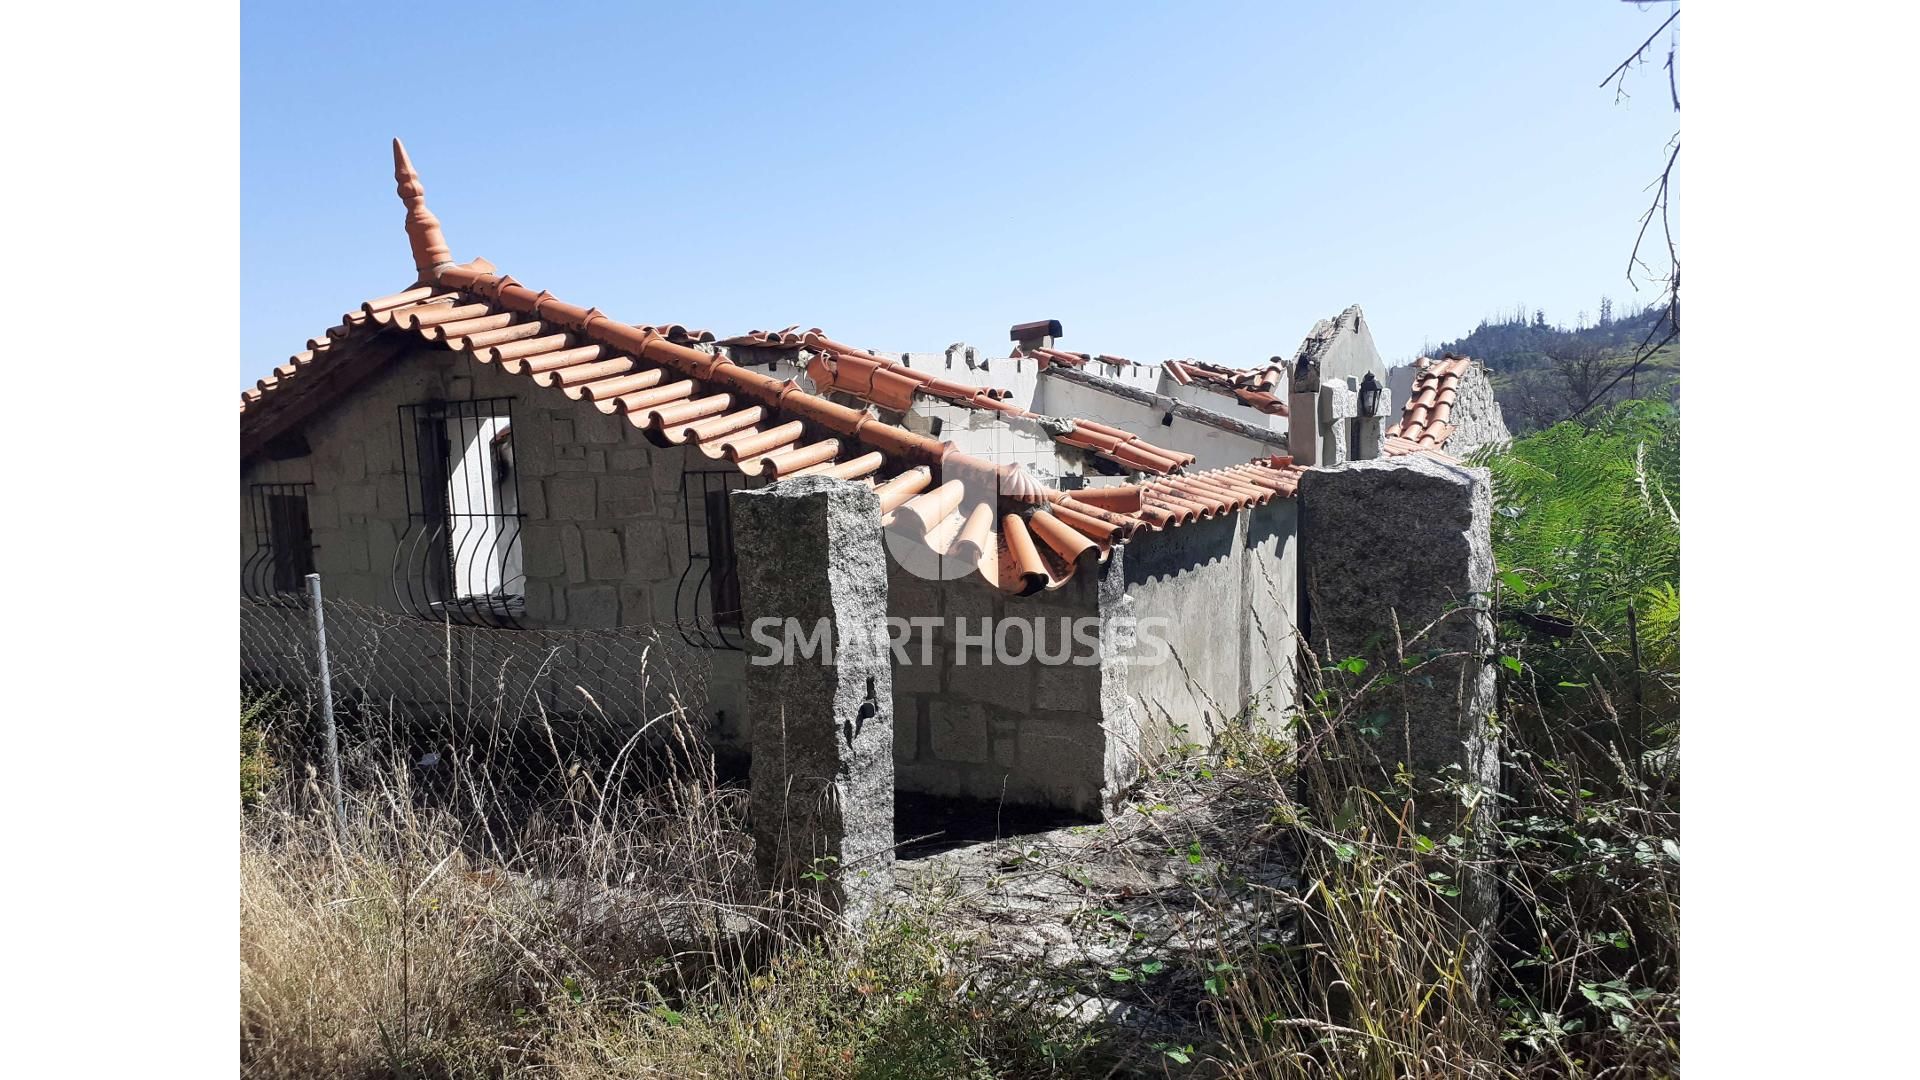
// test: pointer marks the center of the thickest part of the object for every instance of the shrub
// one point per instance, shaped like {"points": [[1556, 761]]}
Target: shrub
{"points": [[258, 770]]}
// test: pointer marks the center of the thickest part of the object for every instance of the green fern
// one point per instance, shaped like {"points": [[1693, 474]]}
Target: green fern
{"points": [[1588, 517]]}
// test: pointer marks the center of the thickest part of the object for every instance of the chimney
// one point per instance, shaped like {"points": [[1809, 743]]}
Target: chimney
{"points": [[1037, 335]]}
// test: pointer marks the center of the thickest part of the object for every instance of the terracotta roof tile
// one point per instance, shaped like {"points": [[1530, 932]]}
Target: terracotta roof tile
{"points": [[768, 339], [1429, 403], [678, 394], [1048, 356], [1257, 388]]}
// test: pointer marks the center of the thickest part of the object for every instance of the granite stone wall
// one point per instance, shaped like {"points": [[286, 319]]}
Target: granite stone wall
{"points": [[1398, 562], [1476, 417], [822, 773]]}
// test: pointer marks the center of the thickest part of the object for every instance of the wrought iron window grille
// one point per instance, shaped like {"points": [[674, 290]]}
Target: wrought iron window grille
{"points": [[460, 559], [706, 602], [282, 555]]}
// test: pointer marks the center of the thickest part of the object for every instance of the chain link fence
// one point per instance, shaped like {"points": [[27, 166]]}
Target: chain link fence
{"points": [[526, 709]]}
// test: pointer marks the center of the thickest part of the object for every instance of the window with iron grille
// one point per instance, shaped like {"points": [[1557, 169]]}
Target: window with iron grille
{"points": [[707, 601], [282, 554], [460, 559]]}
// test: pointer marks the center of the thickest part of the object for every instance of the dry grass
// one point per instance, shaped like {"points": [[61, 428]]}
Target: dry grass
{"points": [[366, 965], [608, 926], [614, 932], [446, 931]]}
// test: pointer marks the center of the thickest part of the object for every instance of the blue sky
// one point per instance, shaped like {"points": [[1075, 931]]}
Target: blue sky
{"points": [[1196, 181]]}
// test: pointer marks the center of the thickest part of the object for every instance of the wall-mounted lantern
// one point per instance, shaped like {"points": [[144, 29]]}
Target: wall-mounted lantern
{"points": [[1369, 396]]}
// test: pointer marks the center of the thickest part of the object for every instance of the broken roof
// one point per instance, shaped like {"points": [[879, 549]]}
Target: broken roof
{"points": [[678, 394], [1257, 388], [891, 384]]}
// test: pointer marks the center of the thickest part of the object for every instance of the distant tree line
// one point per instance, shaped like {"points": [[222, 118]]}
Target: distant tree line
{"points": [[1544, 372]]}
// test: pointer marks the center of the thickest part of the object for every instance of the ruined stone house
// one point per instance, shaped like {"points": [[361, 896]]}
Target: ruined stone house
{"points": [[473, 450]]}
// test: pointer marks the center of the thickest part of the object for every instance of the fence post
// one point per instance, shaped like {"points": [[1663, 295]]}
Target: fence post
{"points": [[326, 704]]}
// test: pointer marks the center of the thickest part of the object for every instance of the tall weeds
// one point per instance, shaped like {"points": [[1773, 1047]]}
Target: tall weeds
{"points": [[435, 936], [608, 926], [1584, 973]]}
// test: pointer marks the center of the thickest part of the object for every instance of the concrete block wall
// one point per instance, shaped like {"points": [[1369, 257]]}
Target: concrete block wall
{"points": [[1026, 733], [1074, 736], [604, 536]]}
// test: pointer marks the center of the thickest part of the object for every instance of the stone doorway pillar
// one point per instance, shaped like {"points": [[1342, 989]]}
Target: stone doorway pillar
{"points": [[820, 702]]}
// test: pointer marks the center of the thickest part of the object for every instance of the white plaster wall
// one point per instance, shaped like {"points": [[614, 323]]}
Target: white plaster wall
{"points": [[1228, 589], [1400, 382], [1224, 404], [992, 435]]}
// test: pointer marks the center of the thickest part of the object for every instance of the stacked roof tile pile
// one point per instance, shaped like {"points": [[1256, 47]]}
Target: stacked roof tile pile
{"points": [[1423, 422], [1258, 388], [678, 394]]}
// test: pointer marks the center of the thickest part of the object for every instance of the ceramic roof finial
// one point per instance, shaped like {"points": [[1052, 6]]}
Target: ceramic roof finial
{"points": [[430, 252]]}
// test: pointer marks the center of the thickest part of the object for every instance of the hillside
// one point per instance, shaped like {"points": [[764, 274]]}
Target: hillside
{"points": [[1543, 372]]}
